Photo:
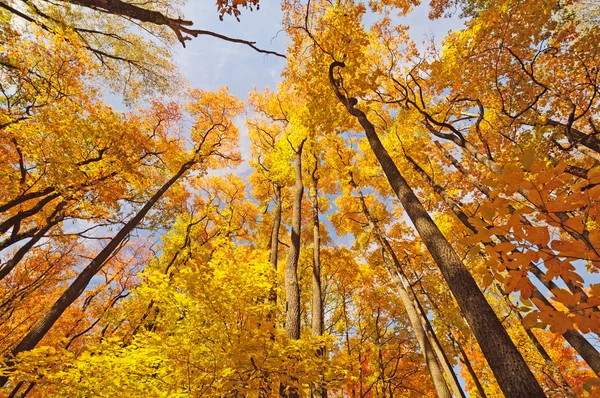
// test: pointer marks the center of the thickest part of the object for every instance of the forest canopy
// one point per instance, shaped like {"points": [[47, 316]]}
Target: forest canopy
{"points": [[392, 217]]}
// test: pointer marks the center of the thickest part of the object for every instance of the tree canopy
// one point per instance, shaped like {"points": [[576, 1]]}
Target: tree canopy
{"points": [[419, 218]]}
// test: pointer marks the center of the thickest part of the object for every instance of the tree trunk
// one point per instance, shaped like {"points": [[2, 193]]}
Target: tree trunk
{"points": [[467, 363], [413, 315], [317, 299], [575, 339], [486, 191], [317, 293], [439, 351], [292, 289], [80, 283], [274, 244], [18, 256], [550, 365], [511, 371], [497, 169]]}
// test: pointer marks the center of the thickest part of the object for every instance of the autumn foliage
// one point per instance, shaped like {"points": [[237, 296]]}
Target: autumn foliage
{"points": [[421, 219]]}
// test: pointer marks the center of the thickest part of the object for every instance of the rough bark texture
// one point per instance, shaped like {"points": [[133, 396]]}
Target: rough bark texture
{"points": [[550, 366], [497, 169], [513, 375], [317, 293], [317, 299], [575, 339], [439, 351], [292, 290], [486, 191], [77, 287], [274, 244]]}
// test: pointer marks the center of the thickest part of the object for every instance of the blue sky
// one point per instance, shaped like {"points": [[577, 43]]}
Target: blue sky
{"points": [[210, 63]]}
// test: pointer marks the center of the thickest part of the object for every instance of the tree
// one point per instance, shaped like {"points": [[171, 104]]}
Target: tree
{"points": [[113, 33], [127, 265], [214, 135]]}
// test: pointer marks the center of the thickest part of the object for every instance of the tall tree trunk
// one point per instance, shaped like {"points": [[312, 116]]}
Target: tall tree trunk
{"points": [[573, 337], [274, 244], [292, 289], [439, 351], [78, 286], [412, 312], [317, 299], [495, 168], [317, 293], [550, 365], [467, 363], [511, 371], [486, 191]]}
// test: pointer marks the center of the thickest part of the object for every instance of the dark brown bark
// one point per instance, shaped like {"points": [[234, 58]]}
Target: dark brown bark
{"points": [[577, 341], [78, 286], [511, 371], [486, 191], [497, 169], [15, 220], [552, 370], [317, 300], [181, 27], [25, 197], [18, 256], [274, 244], [576, 136], [439, 351]]}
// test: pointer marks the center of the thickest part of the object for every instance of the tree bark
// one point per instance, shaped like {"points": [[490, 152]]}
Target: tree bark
{"points": [[439, 351], [511, 371], [497, 169], [486, 191], [18, 256], [292, 289], [573, 337], [409, 304], [550, 365], [317, 293], [274, 244]]}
